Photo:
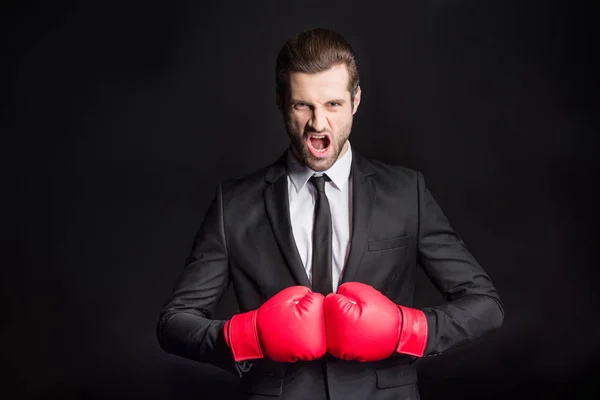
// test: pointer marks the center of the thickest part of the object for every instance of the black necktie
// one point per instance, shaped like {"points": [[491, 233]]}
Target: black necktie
{"points": [[321, 256]]}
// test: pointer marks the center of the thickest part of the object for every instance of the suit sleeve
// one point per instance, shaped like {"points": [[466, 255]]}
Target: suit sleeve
{"points": [[185, 327], [473, 306]]}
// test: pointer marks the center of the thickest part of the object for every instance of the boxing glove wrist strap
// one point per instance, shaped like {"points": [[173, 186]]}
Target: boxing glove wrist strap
{"points": [[413, 335], [242, 337]]}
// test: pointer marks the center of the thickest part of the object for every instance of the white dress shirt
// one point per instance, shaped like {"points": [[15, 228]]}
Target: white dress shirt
{"points": [[302, 197]]}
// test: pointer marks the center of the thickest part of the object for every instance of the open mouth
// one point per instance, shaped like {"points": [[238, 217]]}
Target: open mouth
{"points": [[319, 145]]}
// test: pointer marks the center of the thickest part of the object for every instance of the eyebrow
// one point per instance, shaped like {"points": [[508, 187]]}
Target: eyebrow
{"points": [[296, 101]]}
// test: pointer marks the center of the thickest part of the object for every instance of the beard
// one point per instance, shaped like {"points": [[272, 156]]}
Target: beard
{"points": [[300, 149]]}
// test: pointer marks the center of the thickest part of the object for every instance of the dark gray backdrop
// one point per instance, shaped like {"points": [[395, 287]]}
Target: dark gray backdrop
{"points": [[122, 117]]}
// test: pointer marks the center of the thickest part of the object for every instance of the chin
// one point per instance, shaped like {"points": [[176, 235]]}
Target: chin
{"points": [[319, 165]]}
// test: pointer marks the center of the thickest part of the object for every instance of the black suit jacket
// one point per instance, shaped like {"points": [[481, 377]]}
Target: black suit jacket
{"points": [[246, 240]]}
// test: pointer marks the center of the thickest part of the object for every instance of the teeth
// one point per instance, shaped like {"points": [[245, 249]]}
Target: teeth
{"points": [[319, 136]]}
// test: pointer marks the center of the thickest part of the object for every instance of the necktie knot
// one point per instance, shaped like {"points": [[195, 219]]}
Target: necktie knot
{"points": [[319, 182]]}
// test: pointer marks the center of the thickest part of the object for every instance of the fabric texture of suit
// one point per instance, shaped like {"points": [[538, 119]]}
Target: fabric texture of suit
{"points": [[246, 240]]}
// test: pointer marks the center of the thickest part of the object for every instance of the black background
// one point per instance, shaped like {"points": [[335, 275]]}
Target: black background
{"points": [[122, 117]]}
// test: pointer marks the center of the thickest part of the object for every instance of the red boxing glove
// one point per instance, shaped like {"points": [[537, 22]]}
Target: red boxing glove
{"points": [[364, 325], [288, 327]]}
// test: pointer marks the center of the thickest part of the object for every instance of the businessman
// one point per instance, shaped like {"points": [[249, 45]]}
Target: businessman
{"points": [[322, 248]]}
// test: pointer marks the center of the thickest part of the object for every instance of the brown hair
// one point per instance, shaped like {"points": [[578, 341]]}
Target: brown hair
{"points": [[315, 51]]}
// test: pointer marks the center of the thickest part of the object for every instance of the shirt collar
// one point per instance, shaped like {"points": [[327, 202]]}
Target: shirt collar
{"points": [[338, 173]]}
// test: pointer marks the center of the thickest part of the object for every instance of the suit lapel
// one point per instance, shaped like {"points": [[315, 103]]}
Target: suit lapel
{"points": [[277, 205], [363, 198]]}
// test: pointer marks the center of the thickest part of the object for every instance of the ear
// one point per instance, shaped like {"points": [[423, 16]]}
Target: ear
{"points": [[356, 100]]}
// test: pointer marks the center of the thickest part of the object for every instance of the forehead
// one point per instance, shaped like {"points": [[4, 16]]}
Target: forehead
{"points": [[332, 82]]}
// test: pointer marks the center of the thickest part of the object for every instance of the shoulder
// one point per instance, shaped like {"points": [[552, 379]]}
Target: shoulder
{"points": [[385, 173], [253, 182], [242, 182], [382, 168]]}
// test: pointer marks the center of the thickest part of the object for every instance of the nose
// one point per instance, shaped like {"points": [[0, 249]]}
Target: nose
{"points": [[318, 122]]}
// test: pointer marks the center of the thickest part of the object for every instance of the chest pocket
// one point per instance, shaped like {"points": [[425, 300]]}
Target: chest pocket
{"points": [[388, 244]]}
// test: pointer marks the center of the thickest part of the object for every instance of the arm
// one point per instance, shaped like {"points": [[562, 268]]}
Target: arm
{"points": [[185, 327], [364, 325], [473, 306]]}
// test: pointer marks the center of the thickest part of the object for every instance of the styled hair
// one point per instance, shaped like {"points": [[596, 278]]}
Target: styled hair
{"points": [[311, 52]]}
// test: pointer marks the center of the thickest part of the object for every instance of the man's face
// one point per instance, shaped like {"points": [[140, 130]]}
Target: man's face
{"points": [[318, 116]]}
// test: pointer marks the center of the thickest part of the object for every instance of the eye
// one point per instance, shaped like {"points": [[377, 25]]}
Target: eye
{"points": [[334, 104], [300, 106]]}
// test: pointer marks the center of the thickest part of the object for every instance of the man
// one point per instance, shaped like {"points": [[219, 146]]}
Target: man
{"points": [[322, 248]]}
